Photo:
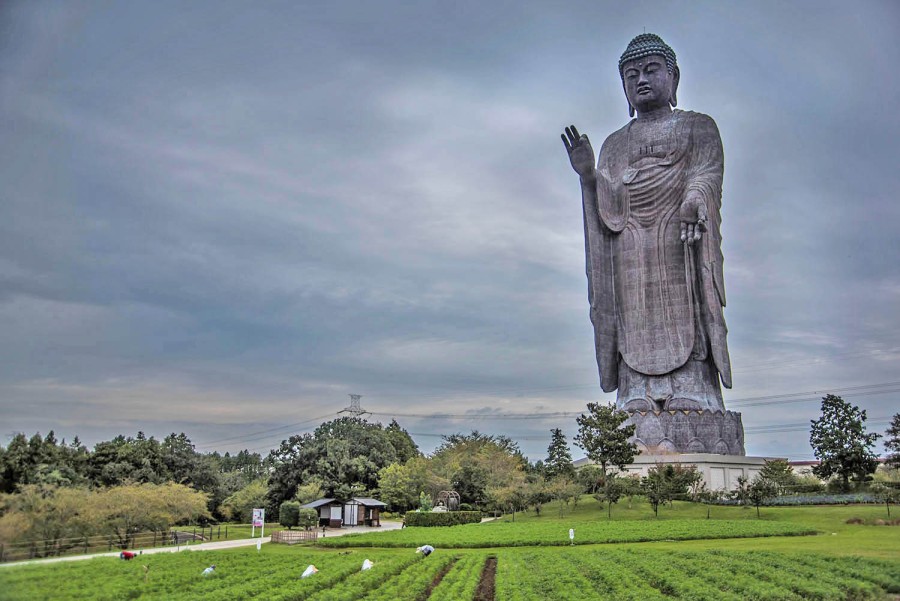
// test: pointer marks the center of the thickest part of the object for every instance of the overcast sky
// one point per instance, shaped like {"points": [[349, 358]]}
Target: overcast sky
{"points": [[224, 217]]}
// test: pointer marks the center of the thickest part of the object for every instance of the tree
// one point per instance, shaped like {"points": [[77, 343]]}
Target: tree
{"points": [[655, 488], [892, 442], [240, 505], [702, 494], [307, 493], [604, 438], [308, 518], [885, 494], [611, 491], [761, 490], [42, 460], [590, 477], [471, 481], [399, 485], [472, 464], [513, 497], [539, 493], [559, 459], [564, 491], [342, 456], [124, 510], [55, 516], [780, 473], [742, 492], [122, 459], [840, 442], [289, 514], [402, 442]]}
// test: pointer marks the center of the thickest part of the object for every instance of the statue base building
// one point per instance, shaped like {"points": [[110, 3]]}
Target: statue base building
{"points": [[688, 431], [719, 472]]}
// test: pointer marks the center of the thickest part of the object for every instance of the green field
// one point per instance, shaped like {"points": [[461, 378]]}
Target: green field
{"points": [[840, 562], [556, 533]]}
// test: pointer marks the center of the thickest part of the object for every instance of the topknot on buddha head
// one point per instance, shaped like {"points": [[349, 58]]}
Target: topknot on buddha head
{"points": [[647, 44]]}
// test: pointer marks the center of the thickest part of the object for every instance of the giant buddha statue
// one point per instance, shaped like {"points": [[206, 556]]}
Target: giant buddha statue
{"points": [[651, 206]]}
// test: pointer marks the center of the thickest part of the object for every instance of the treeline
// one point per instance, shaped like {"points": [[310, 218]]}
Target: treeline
{"points": [[52, 519], [55, 494], [50, 463]]}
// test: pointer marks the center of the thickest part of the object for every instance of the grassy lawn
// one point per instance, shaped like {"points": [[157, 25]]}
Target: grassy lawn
{"points": [[842, 563], [836, 536]]}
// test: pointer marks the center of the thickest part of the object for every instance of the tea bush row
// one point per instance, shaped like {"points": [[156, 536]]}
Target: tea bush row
{"points": [[504, 534]]}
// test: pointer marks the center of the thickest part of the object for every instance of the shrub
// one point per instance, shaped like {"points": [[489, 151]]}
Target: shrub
{"points": [[308, 518], [448, 518], [289, 514]]}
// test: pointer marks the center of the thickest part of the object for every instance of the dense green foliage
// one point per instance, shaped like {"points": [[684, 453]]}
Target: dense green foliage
{"points": [[442, 518], [342, 457], [47, 462], [559, 459], [665, 482], [780, 473], [239, 505], [824, 567], [289, 514], [841, 444], [631, 575], [604, 438], [892, 442], [307, 518], [58, 518], [526, 574], [551, 533]]}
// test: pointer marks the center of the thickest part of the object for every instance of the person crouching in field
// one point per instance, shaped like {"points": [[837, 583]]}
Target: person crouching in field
{"points": [[425, 550], [210, 570], [127, 555]]}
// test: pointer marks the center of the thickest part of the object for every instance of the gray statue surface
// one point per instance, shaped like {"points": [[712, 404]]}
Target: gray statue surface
{"points": [[651, 207]]}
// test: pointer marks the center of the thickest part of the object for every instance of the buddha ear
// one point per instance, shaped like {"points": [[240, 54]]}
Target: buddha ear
{"points": [[676, 76], [630, 108]]}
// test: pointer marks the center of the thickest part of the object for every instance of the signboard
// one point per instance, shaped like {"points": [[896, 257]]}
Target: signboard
{"points": [[259, 517]]}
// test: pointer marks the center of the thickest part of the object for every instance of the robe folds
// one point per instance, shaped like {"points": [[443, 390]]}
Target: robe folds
{"points": [[656, 301]]}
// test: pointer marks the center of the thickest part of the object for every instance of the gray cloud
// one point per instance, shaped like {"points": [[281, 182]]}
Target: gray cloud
{"points": [[223, 218]]}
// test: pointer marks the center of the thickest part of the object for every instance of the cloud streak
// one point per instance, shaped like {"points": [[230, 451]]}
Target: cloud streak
{"points": [[225, 219]]}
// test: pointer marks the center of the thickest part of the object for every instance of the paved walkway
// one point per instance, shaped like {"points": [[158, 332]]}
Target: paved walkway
{"points": [[207, 546]]}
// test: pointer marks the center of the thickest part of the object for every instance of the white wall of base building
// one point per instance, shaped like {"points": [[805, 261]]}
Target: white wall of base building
{"points": [[719, 472]]}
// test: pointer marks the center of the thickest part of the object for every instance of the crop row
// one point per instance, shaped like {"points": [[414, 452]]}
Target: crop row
{"points": [[522, 574], [629, 574], [504, 534], [239, 575]]}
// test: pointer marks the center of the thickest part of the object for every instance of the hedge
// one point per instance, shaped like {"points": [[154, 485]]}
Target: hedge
{"points": [[444, 518], [823, 499]]}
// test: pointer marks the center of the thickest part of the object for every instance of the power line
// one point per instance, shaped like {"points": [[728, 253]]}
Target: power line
{"points": [[786, 398], [775, 398], [248, 437]]}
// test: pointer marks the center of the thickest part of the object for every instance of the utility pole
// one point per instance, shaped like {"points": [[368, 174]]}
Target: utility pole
{"points": [[355, 410]]}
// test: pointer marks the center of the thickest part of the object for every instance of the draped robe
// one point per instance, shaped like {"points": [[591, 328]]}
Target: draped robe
{"points": [[656, 302]]}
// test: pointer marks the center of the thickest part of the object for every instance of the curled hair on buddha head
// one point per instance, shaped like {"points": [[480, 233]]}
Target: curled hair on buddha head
{"points": [[647, 44]]}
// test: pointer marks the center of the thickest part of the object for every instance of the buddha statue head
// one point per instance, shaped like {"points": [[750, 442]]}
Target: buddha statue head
{"points": [[649, 74]]}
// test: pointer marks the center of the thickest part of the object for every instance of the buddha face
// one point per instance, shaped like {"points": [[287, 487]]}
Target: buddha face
{"points": [[648, 84]]}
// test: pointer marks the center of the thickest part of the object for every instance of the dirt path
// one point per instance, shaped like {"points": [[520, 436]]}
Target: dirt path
{"points": [[208, 546], [485, 590]]}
